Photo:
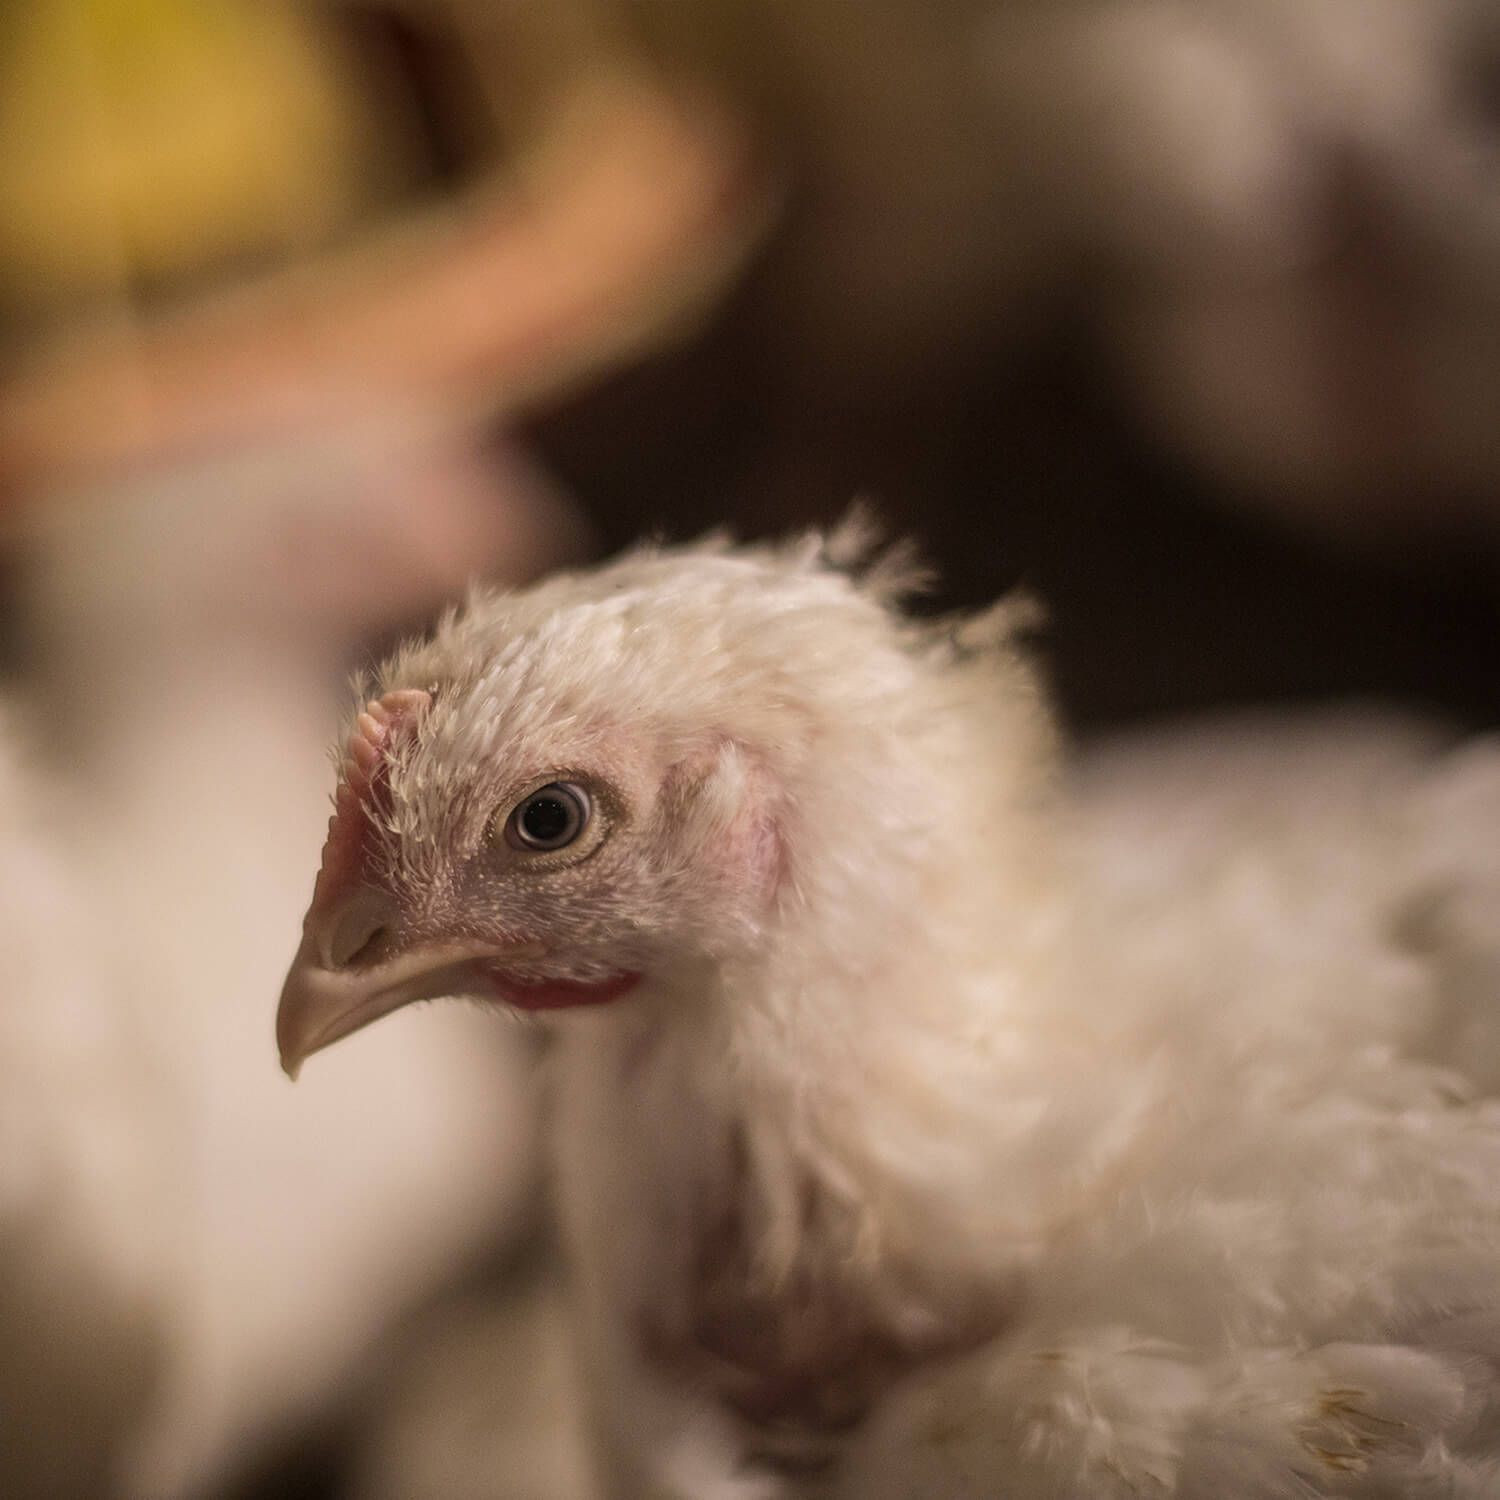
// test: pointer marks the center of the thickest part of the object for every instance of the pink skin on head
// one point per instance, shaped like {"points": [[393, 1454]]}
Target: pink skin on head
{"points": [[331, 990], [383, 720]]}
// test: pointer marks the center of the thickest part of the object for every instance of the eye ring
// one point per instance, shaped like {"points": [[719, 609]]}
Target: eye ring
{"points": [[552, 817]]}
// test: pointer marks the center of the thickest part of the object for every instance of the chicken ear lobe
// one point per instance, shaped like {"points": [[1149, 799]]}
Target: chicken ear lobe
{"points": [[718, 806]]}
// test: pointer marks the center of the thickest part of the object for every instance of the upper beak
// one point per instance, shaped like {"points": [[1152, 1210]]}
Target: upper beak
{"points": [[329, 993]]}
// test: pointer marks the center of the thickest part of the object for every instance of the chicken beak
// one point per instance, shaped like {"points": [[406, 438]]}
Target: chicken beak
{"points": [[329, 995]]}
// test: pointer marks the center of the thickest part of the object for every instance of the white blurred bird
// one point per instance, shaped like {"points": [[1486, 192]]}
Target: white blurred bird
{"points": [[85, 1165], [927, 1122], [191, 1256], [1296, 207]]}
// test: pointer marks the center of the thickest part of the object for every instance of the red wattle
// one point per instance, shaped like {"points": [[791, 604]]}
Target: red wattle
{"points": [[562, 994]]}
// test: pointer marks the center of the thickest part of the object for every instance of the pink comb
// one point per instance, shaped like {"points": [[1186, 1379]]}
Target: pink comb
{"points": [[374, 731]]}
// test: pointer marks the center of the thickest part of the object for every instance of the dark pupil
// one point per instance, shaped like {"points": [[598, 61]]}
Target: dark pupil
{"points": [[546, 818]]}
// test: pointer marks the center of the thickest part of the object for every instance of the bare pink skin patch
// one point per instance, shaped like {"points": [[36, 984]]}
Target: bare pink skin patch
{"points": [[360, 784], [344, 865]]}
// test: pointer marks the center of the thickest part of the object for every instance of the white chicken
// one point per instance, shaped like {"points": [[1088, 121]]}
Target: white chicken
{"points": [[191, 1261], [85, 1166], [925, 1125]]}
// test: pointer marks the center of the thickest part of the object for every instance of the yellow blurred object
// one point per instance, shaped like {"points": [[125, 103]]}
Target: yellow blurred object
{"points": [[623, 204], [148, 139]]}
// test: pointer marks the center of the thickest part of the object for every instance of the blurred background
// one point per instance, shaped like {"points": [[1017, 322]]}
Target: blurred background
{"points": [[1183, 314]]}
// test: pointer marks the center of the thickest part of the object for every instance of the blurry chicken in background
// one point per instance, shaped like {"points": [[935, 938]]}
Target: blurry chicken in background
{"points": [[189, 628], [1271, 223], [1306, 219], [88, 1238]]}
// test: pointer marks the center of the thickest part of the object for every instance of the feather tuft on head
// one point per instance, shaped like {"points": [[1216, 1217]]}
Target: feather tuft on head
{"points": [[889, 572], [1017, 615]]}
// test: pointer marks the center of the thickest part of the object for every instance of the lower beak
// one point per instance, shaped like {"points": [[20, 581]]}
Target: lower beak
{"points": [[321, 1004]]}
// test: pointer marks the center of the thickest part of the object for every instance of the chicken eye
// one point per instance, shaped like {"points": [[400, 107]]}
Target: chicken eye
{"points": [[549, 818]]}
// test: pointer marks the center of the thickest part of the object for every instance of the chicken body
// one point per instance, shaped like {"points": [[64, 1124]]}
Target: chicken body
{"points": [[917, 1132]]}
